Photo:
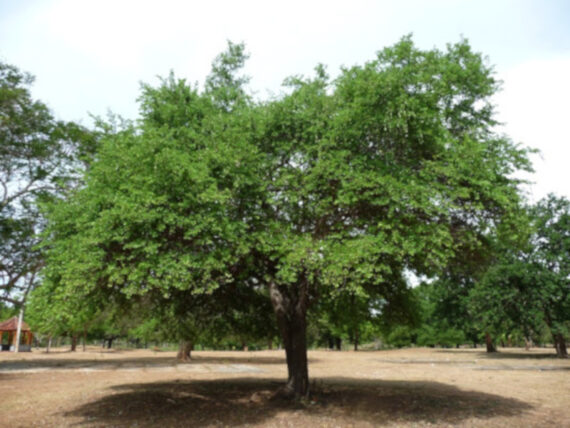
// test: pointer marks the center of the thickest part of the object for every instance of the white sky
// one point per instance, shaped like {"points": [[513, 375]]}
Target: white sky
{"points": [[89, 56]]}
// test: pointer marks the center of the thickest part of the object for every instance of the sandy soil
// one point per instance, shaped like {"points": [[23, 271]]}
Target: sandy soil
{"points": [[403, 388]]}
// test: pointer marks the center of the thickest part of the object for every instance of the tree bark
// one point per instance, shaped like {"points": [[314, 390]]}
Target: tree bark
{"points": [[560, 345], [290, 309], [185, 350], [73, 343], [489, 343], [48, 344]]}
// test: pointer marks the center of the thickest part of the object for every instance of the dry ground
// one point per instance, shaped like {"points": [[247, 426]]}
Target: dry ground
{"points": [[407, 388]]}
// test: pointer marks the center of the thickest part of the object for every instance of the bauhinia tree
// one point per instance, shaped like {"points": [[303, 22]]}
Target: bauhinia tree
{"points": [[335, 186]]}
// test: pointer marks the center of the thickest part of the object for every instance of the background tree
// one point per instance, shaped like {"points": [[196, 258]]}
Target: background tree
{"points": [[529, 287], [39, 159], [450, 315], [552, 261], [55, 311], [6, 311]]}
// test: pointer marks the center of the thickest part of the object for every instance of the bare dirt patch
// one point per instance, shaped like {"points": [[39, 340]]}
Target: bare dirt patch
{"points": [[414, 387]]}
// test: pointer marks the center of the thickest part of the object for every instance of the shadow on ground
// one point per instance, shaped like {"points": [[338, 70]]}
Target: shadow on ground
{"points": [[250, 401], [544, 354], [135, 362]]}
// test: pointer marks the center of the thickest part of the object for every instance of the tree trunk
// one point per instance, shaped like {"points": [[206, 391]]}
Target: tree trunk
{"points": [[356, 339], [527, 343], [270, 344], [489, 343], [560, 345], [291, 309], [559, 342], [110, 342], [84, 338], [73, 343], [19, 329], [338, 343], [185, 350], [48, 344]]}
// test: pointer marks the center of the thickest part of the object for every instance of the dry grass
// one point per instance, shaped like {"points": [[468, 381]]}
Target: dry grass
{"points": [[408, 388]]}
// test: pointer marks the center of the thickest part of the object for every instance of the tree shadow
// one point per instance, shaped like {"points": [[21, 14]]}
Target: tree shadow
{"points": [[521, 356], [245, 359], [137, 362], [246, 401], [530, 355], [4, 377]]}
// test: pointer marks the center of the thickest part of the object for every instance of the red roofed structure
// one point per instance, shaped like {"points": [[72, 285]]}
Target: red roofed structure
{"points": [[10, 327]]}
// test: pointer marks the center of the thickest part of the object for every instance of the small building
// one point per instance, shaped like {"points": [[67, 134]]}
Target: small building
{"points": [[8, 330]]}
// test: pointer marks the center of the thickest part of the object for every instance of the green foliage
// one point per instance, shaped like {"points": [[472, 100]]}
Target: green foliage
{"points": [[400, 336], [7, 312], [529, 287], [331, 191], [147, 331], [54, 310], [451, 337], [39, 159], [389, 167], [347, 316], [427, 336], [223, 84]]}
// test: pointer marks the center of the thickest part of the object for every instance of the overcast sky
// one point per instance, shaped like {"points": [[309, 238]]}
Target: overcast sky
{"points": [[90, 56]]}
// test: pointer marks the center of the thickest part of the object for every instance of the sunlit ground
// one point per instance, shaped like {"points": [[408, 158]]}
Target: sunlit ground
{"points": [[414, 387]]}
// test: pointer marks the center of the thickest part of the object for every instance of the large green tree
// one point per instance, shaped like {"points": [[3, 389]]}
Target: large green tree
{"points": [[335, 185]]}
